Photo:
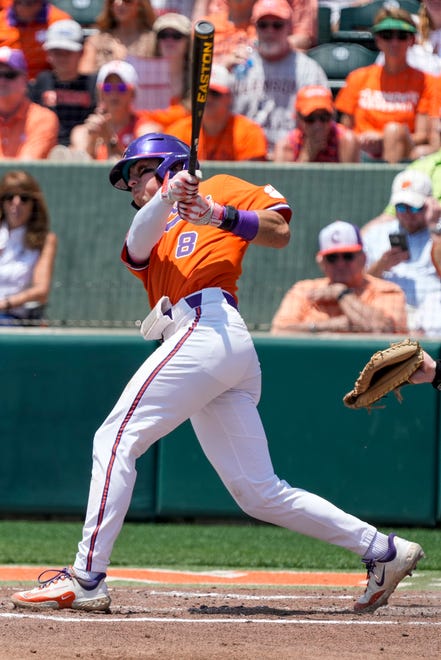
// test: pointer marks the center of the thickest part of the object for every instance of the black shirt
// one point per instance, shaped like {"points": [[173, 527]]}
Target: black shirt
{"points": [[72, 101]]}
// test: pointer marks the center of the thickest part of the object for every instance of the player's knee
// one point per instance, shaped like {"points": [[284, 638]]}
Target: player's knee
{"points": [[259, 498]]}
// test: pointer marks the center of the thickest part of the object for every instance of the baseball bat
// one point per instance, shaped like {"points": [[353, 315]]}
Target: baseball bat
{"points": [[202, 59]]}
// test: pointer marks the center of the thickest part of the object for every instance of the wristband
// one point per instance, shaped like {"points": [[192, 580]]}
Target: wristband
{"points": [[344, 293], [241, 223], [436, 382]]}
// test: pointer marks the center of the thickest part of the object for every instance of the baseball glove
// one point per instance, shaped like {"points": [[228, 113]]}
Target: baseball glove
{"points": [[386, 371]]}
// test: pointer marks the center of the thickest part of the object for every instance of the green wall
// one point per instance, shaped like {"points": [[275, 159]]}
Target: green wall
{"points": [[59, 385], [92, 287]]}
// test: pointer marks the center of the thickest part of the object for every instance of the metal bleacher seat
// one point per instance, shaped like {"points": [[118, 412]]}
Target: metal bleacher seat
{"points": [[355, 22], [339, 59], [82, 11]]}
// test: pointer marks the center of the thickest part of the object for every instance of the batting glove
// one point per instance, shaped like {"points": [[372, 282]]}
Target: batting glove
{"points": [[182, 187], [201, 211]]}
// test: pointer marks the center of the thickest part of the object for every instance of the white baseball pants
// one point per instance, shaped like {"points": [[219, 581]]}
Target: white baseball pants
{"points": [[206, 370]]}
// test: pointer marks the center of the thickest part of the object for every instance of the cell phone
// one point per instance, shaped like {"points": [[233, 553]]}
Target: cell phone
{"points": [[399, 240]]}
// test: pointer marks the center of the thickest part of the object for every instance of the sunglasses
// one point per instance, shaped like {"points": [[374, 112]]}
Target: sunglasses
{"points": [[388, 35], [121, 87], [276, 25], [8, 197], [405, 208], [215, 94], [335, 256], [9, 75], [323, 117], [176, 36]]}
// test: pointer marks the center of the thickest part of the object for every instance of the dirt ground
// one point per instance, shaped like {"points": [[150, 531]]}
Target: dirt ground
{"points": [[213, 623]]}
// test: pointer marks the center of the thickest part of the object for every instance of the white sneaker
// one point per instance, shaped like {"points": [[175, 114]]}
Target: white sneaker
{"points": [[384, 576], [65, 590]]}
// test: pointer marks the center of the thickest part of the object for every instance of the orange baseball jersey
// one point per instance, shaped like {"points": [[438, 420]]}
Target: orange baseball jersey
{"points": [[374, 97], [241, 139], [30, 38], [30, 132], [191, 257]]}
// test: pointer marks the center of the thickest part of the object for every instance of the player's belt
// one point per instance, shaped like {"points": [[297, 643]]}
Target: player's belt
{"points": [[195, 300]]}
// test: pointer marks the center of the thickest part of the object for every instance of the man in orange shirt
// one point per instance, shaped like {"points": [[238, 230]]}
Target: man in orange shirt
{"points": [[347, 299], [27, 130], [393, 108], [224, 135], [23, 25]]}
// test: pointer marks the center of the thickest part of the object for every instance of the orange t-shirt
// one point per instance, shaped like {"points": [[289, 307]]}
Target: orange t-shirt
{"points": [[228, 37], [296, 307], [191, 257], [374, 97], [31, 132], [166, 116], [30, 38], [241, 139]]}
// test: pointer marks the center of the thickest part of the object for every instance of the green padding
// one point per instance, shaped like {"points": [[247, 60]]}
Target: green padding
{"points": [[59, 386], [379, 466], [91, 286], [56, 391]]}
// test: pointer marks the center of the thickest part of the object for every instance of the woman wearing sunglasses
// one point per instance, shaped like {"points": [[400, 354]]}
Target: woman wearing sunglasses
{"points": [[346, 299], [393, 108], [106, 132], [27, 249], [317, 138]]}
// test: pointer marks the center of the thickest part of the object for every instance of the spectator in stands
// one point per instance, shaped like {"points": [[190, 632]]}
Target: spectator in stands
{"points": [[347, 299], [317, 138], [425, 52], [235, 33], [266, 90], [124, 29], [23, 26], [106, 133], [232, 21], [428, 314], [336, 6], [27, 248], [69, 94], [173, 36], [27, 130], [393, 108], [224, 135], [410, 267]]}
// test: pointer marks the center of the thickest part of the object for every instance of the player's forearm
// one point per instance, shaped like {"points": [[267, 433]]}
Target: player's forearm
{"points": [[273, 230], [147, 227]]}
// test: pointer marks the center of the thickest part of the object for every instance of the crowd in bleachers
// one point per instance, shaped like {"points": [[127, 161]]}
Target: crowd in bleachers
{"points": [[300, 81]]}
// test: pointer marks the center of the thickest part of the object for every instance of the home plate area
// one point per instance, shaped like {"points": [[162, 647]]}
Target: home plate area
{"points": [[239, 615]]}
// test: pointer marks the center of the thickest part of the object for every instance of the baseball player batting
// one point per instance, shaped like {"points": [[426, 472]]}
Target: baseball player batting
{"points": [[186, 244]]}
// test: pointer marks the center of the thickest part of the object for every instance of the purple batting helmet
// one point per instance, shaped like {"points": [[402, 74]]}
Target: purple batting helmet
{"points": [[173, 153]]}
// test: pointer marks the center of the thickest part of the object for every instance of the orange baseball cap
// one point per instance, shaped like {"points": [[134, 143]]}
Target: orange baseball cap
{"points": [[313, 97]]}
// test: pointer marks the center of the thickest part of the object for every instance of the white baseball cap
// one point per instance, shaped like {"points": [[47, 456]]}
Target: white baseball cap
{"points": [[411, 187], [221, 79], [123, 69], [66, 35], [340, 236]]}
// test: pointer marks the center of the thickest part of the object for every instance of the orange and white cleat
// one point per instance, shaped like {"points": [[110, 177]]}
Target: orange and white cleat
{"points": [[65, 590]]}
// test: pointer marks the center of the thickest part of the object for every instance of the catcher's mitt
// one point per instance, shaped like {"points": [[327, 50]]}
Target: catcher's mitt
{"points": [[385, 372]]}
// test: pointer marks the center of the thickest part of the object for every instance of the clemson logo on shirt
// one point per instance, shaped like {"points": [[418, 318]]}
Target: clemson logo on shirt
{"points": [[272, 192]]}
